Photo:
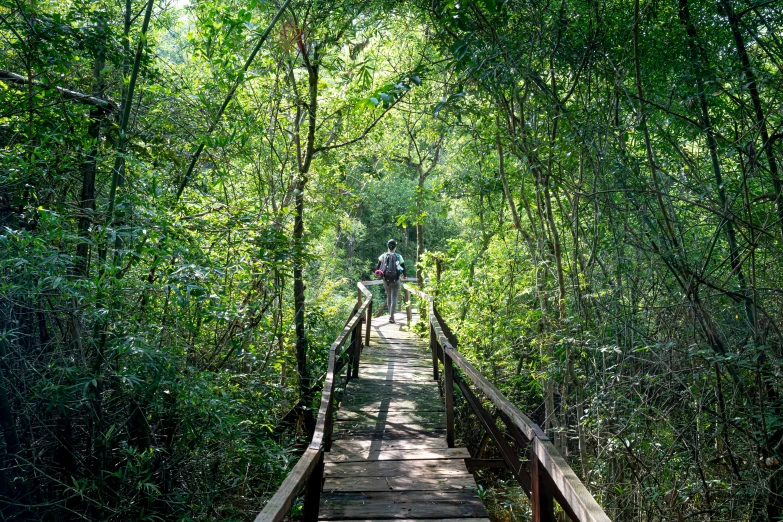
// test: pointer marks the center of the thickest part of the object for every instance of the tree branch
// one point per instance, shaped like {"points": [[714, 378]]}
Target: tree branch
{"points": [[10, 77], [366, 131]]}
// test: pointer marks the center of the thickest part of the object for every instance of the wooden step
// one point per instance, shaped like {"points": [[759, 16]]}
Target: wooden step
{"points": [[401, 454], [395, 417], [430, 520], [349, 445], [374, 403], [396, 468], [423, 483], [391, 505], [390, 432]]}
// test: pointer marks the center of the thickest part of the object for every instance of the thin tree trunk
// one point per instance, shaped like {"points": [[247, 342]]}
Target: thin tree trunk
{"points": [[89, 168], [305, 158], [699, 58], [758, 110], [419, 223], [502, 171]]}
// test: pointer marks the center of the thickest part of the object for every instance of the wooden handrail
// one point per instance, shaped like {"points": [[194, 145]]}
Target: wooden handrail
{"points": [[545, 461], [308, 471], [380, 282]]}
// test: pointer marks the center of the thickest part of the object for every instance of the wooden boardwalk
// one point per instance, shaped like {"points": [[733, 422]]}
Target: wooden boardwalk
{"points": [[386, 455], [389, 458]]}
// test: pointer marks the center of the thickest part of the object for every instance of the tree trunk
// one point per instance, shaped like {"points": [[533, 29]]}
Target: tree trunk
{"points": [[419, 237], [305, 158], [758, 110], [299, 301], [699, 59], [89, 168]]}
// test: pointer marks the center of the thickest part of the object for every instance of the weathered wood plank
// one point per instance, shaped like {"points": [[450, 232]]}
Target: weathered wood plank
{"points": [[387, 402], [391, 505], [393, 360], [396, 352], [386, 416], [372, 403], [400, 377], [396, 468], [392, 394], [385, 334], [387, 369], [406, 454], [333, 484], [432, 520], [395, 355], [396, 375], [372, 360], [415, 342], [403, 427], [391, 433], [385, 391], [352, 445], [392, 390], [372, 363], [367, 383], [412, 341]]}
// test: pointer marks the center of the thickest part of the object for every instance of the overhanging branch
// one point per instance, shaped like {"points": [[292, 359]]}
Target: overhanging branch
{"points": [[17, 79], [366, 131]]}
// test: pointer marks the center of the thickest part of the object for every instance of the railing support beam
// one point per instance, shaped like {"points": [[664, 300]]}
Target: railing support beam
{"points": [[351, 357], [486, 420], [312, 500], [369, 324], [357, 348], [408, 313], [448, 392], [541, 500], [434, 348]]}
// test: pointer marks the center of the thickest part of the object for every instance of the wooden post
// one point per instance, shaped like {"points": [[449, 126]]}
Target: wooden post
{"points": [[438, 268], [329, 425], [312, 500], [357, 347], [369, 324], [448, 391], [541, 499], [408, 305], [434, 348], [535, 488], [351, 357]]}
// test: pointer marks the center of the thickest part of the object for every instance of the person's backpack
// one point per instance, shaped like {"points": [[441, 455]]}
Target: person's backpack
{"points": [[389, 268]]}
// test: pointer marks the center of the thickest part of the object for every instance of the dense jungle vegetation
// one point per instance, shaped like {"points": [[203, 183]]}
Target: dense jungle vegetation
{"points": [[190, 189]]}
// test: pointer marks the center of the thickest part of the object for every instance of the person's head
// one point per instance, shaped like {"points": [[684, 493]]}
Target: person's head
{"points": [[392, 245]]}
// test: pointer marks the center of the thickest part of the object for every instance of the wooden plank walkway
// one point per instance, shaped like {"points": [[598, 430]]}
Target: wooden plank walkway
{"points": [[389, 457]]}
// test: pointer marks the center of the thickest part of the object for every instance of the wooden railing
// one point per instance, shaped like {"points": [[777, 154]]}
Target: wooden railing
{"points": [[308, 471], [545, 476]]}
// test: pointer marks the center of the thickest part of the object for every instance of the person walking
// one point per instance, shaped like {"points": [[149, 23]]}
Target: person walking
{"points": [[390, 267]]}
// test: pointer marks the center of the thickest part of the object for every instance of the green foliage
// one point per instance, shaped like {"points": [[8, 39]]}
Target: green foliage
{"points": [[609, 242]]}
